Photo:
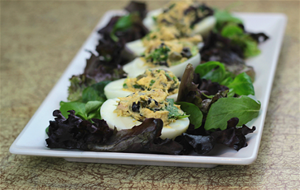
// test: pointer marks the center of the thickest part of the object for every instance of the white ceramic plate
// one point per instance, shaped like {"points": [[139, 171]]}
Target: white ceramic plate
{"points": [[31, 140]]}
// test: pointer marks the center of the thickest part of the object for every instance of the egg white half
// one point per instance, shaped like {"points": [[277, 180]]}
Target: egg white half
{"points": [[202, 27], [137, 47], [148, 20], [120, 122], [114, 89], [137, 66]]}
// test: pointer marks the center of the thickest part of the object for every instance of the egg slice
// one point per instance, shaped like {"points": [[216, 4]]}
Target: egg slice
{"points": [[203, 27], [120, 122], [114, 89], [137, 66]]}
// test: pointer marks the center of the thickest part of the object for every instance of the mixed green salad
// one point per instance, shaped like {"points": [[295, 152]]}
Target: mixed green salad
{"points": [[218, 94]]}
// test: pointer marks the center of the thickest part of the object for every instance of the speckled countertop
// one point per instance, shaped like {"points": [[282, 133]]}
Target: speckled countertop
{"points": [[38, 41]]}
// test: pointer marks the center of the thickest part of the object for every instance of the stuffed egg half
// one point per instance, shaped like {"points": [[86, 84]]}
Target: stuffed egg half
{"points": [[172, 56], [127, 112], [149, 80], [189, 18]]}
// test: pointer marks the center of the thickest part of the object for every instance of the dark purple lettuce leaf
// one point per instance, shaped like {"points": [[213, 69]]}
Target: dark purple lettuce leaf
{"points": [[107, 65], [216, 47], [193, 88], [233, 137], [205, 12], [202, 142], [196, 143], [135, 32], [258, 37], [106, 30], [131, 27], [77, 85], [188, 89], [143, 138], [221, 49], [113, 53], [135, 6], [206, 103], [100, 70], [75, 133]]}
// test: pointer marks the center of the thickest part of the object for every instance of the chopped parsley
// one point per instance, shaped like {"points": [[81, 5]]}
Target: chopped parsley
{"points": [[174, 112], [125, 85], [152, 82], [160, 55]]}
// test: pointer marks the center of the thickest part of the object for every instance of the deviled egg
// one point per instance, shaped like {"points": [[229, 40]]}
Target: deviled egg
{"points": [[138, 47], [172, 56], [183, 21], [188, 18], [149, 80], [126, 112]]}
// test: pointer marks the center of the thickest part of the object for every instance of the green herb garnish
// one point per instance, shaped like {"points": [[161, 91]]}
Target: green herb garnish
{"points": [[174, 112], [137, 86], [152, 82], [159, 54]]}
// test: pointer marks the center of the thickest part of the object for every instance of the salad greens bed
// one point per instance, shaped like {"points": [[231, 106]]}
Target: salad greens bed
{"points": [[218, 95]]}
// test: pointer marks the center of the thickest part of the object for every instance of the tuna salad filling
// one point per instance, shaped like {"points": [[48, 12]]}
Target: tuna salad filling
{"points": [[150, 104]]}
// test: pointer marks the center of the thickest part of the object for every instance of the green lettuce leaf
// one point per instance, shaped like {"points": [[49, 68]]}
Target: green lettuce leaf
{"points": [[95, 92], [244, 108], [85, 111], [78, 107], [174, 112], [217, 72], [212, 70], [195, 115], [224, 16], [242, 85], [237, 35]]}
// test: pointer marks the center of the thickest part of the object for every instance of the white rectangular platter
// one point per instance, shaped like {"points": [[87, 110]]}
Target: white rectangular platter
{"points": [[31, 141]]}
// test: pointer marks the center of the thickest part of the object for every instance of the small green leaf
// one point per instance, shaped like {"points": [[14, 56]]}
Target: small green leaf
{"points": [[195, 115], [207, 96], [168, 76], [92, 106], [251, 48], [224, 16], [123, 23], [242, 85], [212, 70], [89, 94], [78, 107], [244, 40], [174, 112], [94, 92], [231, 30], [114, 37]]}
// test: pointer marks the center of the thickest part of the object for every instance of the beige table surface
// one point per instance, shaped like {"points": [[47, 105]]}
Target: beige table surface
{"points": [[38, 41]]}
